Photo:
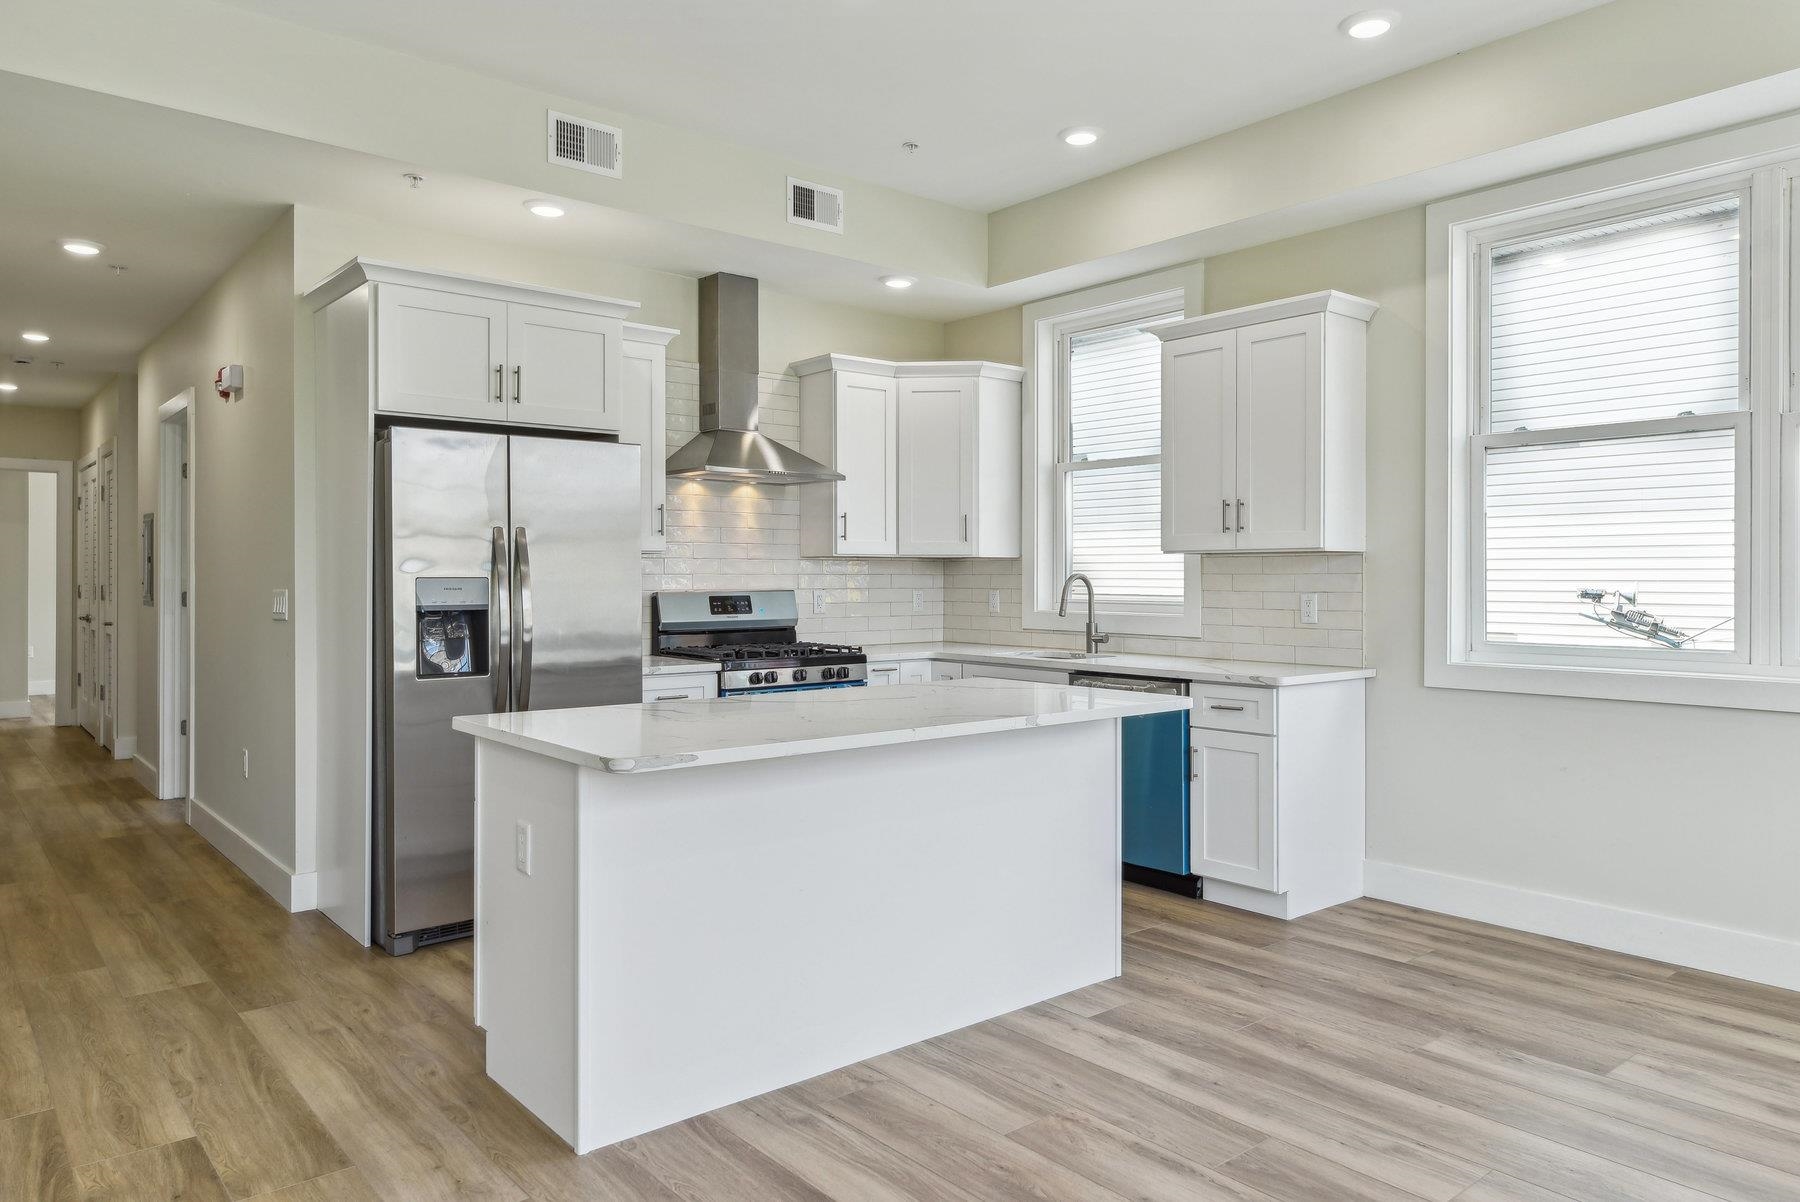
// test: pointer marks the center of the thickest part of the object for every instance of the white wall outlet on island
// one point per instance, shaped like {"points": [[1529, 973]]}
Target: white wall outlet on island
{"points": [[818, 601], [1309, 609], [522, 847]]}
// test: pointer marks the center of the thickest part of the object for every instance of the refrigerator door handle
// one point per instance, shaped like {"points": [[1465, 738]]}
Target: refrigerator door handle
{"points": [[499, 604], [522, 628]]}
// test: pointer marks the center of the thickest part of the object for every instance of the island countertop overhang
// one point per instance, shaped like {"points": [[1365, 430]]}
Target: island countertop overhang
{"points": [[658, 736]]}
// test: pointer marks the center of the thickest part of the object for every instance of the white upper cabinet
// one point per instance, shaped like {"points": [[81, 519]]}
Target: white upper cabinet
{"points": [[566, 368], [850, 421], [442, 353], [929, 453], [455, 347], [1263, 427], [644, 422], [939, 469]]}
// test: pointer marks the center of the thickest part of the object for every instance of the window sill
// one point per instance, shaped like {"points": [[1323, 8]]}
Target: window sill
{"points": [[1720, 690]]}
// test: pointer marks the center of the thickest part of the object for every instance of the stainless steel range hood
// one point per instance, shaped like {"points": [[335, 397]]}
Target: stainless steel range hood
{"points": [[729, 447]]}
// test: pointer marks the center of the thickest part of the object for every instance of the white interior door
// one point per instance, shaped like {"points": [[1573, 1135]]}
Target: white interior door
{"points": [[867, 453], [1280, 433], [87, 575], [1233, 808], [1199, 443], [105, 617], [567, 368], [937, 467], [440, 354]]}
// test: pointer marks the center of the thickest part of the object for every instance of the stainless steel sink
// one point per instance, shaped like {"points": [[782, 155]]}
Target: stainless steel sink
{"points": [[1081, 655]]}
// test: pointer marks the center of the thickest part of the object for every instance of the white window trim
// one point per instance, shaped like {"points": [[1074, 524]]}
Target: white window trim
{"points": [[1046, 324], [1770, 677]]}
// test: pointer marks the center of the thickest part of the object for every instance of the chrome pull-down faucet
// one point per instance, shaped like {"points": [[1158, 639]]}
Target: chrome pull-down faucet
{"points": [[1094, 637]]}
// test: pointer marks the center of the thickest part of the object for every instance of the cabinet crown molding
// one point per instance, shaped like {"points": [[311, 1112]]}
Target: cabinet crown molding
{"points": [[1293, 306], [357, 272], [655, 335], [953, 369]]}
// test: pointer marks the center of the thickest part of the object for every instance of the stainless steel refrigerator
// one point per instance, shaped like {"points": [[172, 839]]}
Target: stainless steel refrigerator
{"points": [[507, 578]]}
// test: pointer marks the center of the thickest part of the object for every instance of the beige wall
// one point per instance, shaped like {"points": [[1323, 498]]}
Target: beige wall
{"points": [[15, 595], [1669, 810], [100, 417], [243, 481], [29, 432]]}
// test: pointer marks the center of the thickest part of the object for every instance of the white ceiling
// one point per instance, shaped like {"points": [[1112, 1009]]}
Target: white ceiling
{"points": [[982, 85]]}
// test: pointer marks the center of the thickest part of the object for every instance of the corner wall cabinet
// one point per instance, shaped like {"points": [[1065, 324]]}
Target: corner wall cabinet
{"points": [[475, 350], [929, 451], [645, 422], [1263, 427]]}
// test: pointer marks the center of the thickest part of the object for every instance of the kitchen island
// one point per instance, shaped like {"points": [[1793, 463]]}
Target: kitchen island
{"points": [[680, 905]]}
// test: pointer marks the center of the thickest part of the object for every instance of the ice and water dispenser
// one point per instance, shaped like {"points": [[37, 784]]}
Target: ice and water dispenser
{"points": [[452, 613]]}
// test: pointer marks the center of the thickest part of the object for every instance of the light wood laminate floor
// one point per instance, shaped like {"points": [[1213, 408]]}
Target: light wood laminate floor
{"points": [[166, 1031]]}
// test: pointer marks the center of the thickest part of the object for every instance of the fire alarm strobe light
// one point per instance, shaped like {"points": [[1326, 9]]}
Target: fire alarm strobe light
{"points": [[230, 382]]}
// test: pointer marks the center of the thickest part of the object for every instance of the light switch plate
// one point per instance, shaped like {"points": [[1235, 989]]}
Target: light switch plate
{"points": [[278, 607], [1309, 609]]}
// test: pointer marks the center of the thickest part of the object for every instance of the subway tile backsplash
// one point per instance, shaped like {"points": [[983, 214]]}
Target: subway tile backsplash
{"points": [[724, 536]]}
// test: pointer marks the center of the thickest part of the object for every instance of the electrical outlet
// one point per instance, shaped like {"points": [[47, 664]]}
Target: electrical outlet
{"points": [[819, 601], [1309, 609], [522, 847], [918, 600], [994, 601], [246, 752]]}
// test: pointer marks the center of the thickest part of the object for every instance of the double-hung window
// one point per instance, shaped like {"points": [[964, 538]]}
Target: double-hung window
{"points": [[1110, 465], [1619, 472]]}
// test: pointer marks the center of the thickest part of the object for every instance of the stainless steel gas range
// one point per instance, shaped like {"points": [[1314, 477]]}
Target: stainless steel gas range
{"points": [[752, 636]]}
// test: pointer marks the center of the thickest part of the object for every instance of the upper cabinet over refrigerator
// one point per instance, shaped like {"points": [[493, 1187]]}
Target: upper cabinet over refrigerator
{"points": [[1263, 427]]}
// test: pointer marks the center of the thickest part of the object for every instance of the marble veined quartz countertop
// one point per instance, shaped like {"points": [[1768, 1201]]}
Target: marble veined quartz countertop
{"points": [[683, 734]]}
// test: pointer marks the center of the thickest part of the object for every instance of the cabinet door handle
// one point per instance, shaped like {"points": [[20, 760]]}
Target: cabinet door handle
{"points": [[518, 381], [499, 384], [662, 518], [1240, 513], [1236, 709], [1224, 516], [965, 536], [843, 525]]}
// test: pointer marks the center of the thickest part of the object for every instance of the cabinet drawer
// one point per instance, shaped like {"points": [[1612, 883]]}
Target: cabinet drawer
{"points": [[1234, 707], [680, 688]]}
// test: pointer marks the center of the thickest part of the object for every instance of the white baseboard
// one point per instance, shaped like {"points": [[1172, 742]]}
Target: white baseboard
{"points": [[41, 688], [144, 772], [16, 709], [1732, 953], [124, 747], [296, 891]]}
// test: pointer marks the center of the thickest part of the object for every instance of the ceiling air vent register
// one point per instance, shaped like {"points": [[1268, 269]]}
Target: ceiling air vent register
{"points": [[586, 145], [815, 205]]}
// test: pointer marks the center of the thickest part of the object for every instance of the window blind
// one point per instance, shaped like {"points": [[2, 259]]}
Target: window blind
{"points": [[1649, 515], [1631, 320], [1114, 512]]}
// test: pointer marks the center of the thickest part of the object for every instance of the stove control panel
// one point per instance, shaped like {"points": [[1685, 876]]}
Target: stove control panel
{"points": [[777, 678]]}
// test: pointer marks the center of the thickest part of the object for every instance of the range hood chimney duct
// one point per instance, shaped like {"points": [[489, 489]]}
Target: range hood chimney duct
{"points": [[729, 447]]}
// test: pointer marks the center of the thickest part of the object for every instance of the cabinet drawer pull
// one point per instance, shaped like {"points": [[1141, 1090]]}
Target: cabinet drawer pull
{"points": [[672, 697], [1236, 709]]}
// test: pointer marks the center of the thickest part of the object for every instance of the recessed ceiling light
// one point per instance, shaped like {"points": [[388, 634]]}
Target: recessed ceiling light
{"points": [[9, 388], [544, 208], [1371, 24], [898, 281], [1080, 135], [35, 336], [82, 247]]}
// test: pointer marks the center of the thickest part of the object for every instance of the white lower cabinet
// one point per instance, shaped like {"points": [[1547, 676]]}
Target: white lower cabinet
{"points": [[1232, 832], [1276, 799], [884, 674], [1008, 672], [685, 686]]}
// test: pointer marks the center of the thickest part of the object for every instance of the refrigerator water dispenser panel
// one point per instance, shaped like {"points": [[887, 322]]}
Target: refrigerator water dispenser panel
{"points": [[452, 614]]}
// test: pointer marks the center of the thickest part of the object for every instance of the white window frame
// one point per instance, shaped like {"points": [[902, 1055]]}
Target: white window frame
{"points": [[1048, 326], [1764, 670]]}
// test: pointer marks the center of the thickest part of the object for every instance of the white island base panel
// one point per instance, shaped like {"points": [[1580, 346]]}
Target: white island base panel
{"points": [[688, 939]]}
